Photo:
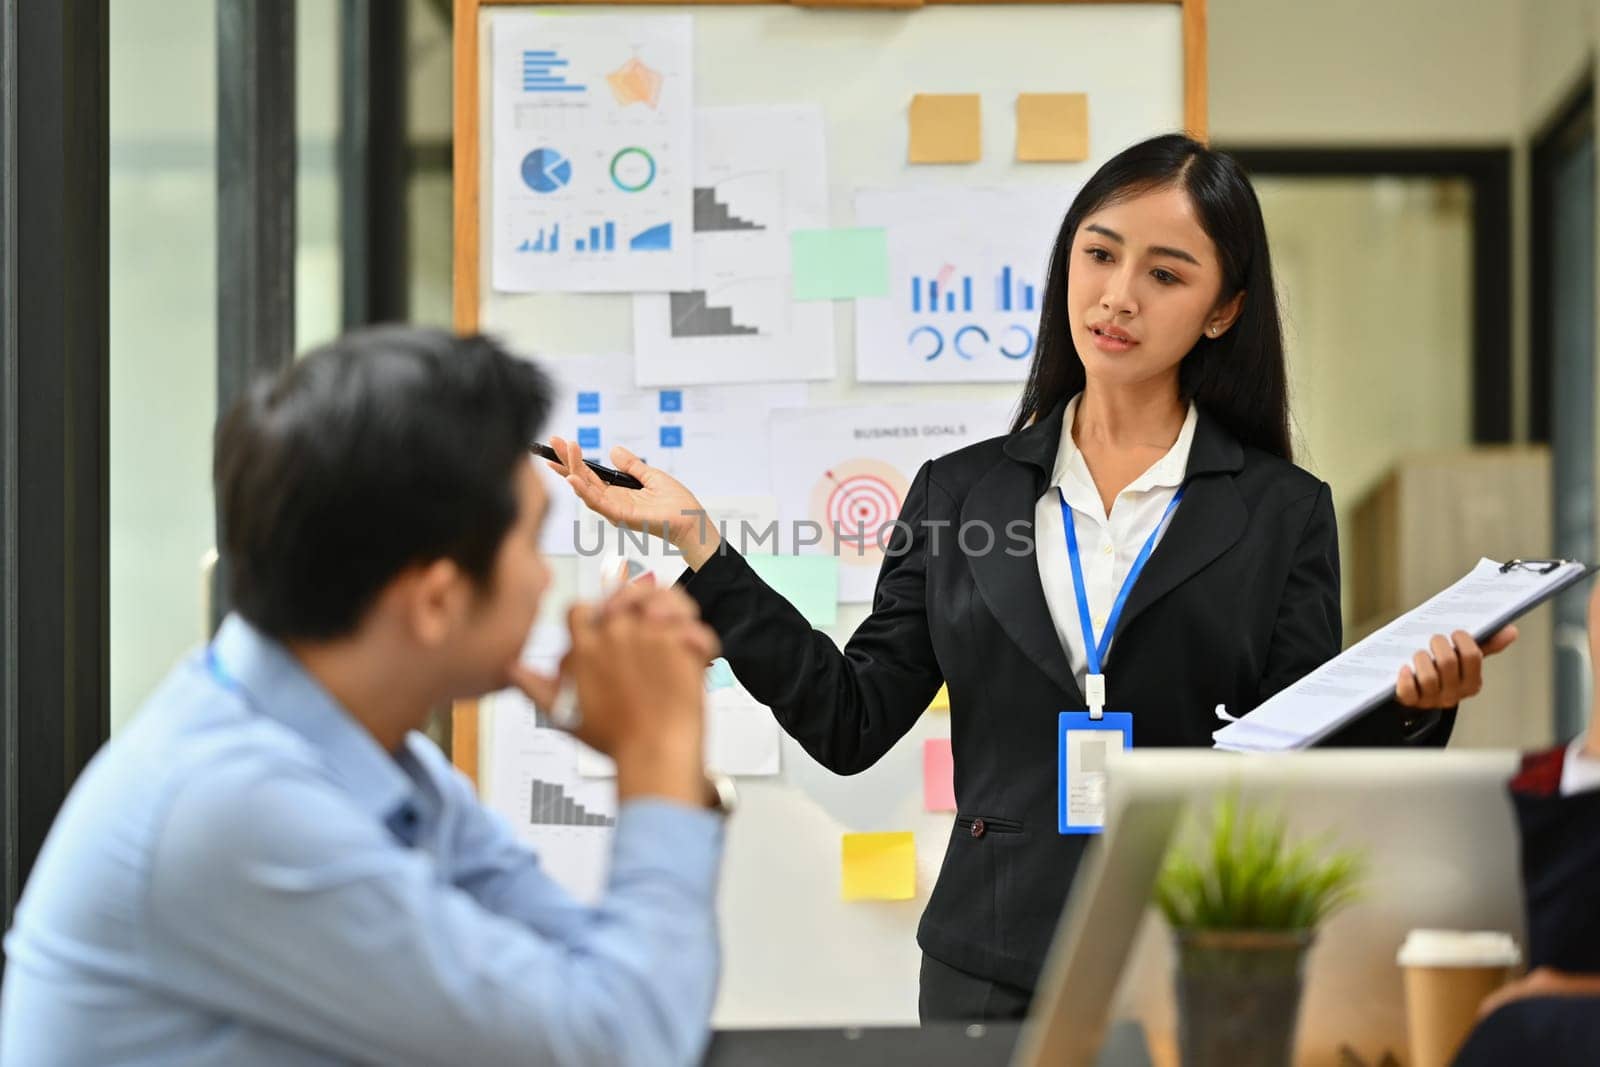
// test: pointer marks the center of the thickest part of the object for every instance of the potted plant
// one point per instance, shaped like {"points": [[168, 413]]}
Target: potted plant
{"points": [[1244, 907]]}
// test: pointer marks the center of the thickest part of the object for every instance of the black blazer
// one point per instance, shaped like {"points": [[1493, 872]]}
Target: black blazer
{"points": [[1560, 838], [1240, 598], [1560, 853]]}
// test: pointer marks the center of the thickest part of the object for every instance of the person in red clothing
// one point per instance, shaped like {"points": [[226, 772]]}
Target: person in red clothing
{"points": [[1551, 1016]]}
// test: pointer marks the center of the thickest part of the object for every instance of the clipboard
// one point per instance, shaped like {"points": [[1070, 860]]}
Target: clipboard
{"points": [[1571, 578], [1362, 677]]}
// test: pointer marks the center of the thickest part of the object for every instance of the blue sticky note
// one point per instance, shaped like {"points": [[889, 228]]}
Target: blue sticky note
{"points": [[589, 437], [810, 583], [672, 400], [672, 437], [839, 264], [588, 403], [719, 675]]}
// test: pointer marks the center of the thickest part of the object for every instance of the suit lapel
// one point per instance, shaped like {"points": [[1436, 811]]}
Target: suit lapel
{"points": [[1009, 581], [1210, 520]]}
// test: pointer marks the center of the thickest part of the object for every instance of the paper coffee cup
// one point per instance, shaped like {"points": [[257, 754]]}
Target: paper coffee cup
{"points": [[1448, 973]]}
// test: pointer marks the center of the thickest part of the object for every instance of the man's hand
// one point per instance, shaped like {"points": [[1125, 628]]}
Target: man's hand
{"points": [[638, 663], [1543, 982], [1449, 670]]}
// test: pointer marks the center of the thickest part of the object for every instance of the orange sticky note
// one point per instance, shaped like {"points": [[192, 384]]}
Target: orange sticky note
{"points": [[941, 699], [945, 128], [879, 867], [938, 775], [1052, 127]]}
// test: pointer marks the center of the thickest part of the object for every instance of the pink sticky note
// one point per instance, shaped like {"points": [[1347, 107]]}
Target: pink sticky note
{"points": [[938, 775]]}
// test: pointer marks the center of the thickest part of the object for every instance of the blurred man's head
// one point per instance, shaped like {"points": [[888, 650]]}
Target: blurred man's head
{"points": [[381, 491]]}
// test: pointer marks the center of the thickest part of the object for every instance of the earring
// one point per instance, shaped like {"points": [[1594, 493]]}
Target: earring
{"points": [[1213, 331]]}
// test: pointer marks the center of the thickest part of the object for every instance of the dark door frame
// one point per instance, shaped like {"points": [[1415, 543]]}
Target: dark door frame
{"points": [[256, 170], [1573, 121], [54, 266], [1488, 170], [373, 221], [1571, 124]]}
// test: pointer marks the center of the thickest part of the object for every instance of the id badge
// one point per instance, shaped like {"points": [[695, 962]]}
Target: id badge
{"points": [[1081, 757]]}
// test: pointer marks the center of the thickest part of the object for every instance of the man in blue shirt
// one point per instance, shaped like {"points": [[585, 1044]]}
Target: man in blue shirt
{"points": [[270, 865]]}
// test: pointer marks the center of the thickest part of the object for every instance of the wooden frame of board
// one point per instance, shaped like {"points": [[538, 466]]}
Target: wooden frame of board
{"points": [[467, 262]]}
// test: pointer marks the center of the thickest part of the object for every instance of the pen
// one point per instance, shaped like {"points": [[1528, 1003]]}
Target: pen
{"points": [[604, 473]]}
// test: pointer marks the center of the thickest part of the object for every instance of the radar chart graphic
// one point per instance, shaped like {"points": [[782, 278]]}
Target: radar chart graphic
{"points": [[858, 498]]}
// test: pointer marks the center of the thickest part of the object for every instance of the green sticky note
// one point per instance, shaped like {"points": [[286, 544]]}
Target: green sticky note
{"points": [[839, 264], [810, 583], [719, 675]]}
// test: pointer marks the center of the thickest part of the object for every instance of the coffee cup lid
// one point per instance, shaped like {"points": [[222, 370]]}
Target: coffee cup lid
{"points": [[1459, 948]]}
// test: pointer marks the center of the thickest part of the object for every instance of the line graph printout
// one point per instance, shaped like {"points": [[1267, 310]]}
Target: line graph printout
{"points": [[842, 473], [593, 129], [759, 173]]}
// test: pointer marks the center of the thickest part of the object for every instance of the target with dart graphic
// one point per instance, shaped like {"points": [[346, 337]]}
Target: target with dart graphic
{"points": [[858, 498]]}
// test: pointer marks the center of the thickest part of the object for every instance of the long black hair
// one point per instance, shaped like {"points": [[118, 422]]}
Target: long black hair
{"points": [[1238, 378]]}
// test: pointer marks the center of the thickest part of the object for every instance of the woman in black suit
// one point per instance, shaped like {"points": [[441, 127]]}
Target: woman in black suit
{"points": [[1160, 368]]}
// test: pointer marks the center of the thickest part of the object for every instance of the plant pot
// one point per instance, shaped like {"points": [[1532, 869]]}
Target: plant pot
{"points": [[1239, 995]]}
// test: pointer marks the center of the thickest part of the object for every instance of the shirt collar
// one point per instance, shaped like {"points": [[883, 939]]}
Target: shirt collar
{"points": [[1165, 473], [274, 684]]}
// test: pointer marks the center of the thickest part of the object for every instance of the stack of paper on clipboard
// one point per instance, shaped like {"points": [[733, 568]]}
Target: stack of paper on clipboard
{"points": [[1490, 596]]}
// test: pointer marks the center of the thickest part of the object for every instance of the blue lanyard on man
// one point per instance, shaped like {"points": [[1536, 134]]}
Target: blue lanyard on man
{"points": [[1094, 686], [402, 822]]}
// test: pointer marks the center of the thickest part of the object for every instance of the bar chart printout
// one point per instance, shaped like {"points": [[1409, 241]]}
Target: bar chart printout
{"points": [[759, 175], [551, 806], [592, 187], [966, 274]]}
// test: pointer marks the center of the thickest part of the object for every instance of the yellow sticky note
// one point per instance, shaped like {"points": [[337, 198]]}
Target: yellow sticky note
{"points": [[879, 867], [1052, 127], [945, 128], [941, 699]]}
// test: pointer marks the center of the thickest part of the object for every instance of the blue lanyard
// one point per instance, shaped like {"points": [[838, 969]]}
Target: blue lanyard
{"points": [[1095, 653], [220, 675], [402, 822]]}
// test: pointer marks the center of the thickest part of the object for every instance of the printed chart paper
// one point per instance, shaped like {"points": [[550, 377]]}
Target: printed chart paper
{"points": [[713, 438], [741, 737], [966, 282], [600, 572], [593, 135], [535, 786], [759, 173], [841, 476]]}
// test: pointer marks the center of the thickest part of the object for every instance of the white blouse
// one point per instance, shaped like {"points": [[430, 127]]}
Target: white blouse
{"points": [[1107, 544]]}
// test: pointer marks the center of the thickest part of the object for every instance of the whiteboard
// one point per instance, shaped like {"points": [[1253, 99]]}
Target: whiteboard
{"points": [[794, 953]]}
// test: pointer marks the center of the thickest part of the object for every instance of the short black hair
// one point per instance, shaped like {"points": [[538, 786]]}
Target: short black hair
{"points": [[389, 447]]}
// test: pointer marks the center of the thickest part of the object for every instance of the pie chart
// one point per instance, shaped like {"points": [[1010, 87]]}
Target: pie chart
{"points": [[545, 170]]}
